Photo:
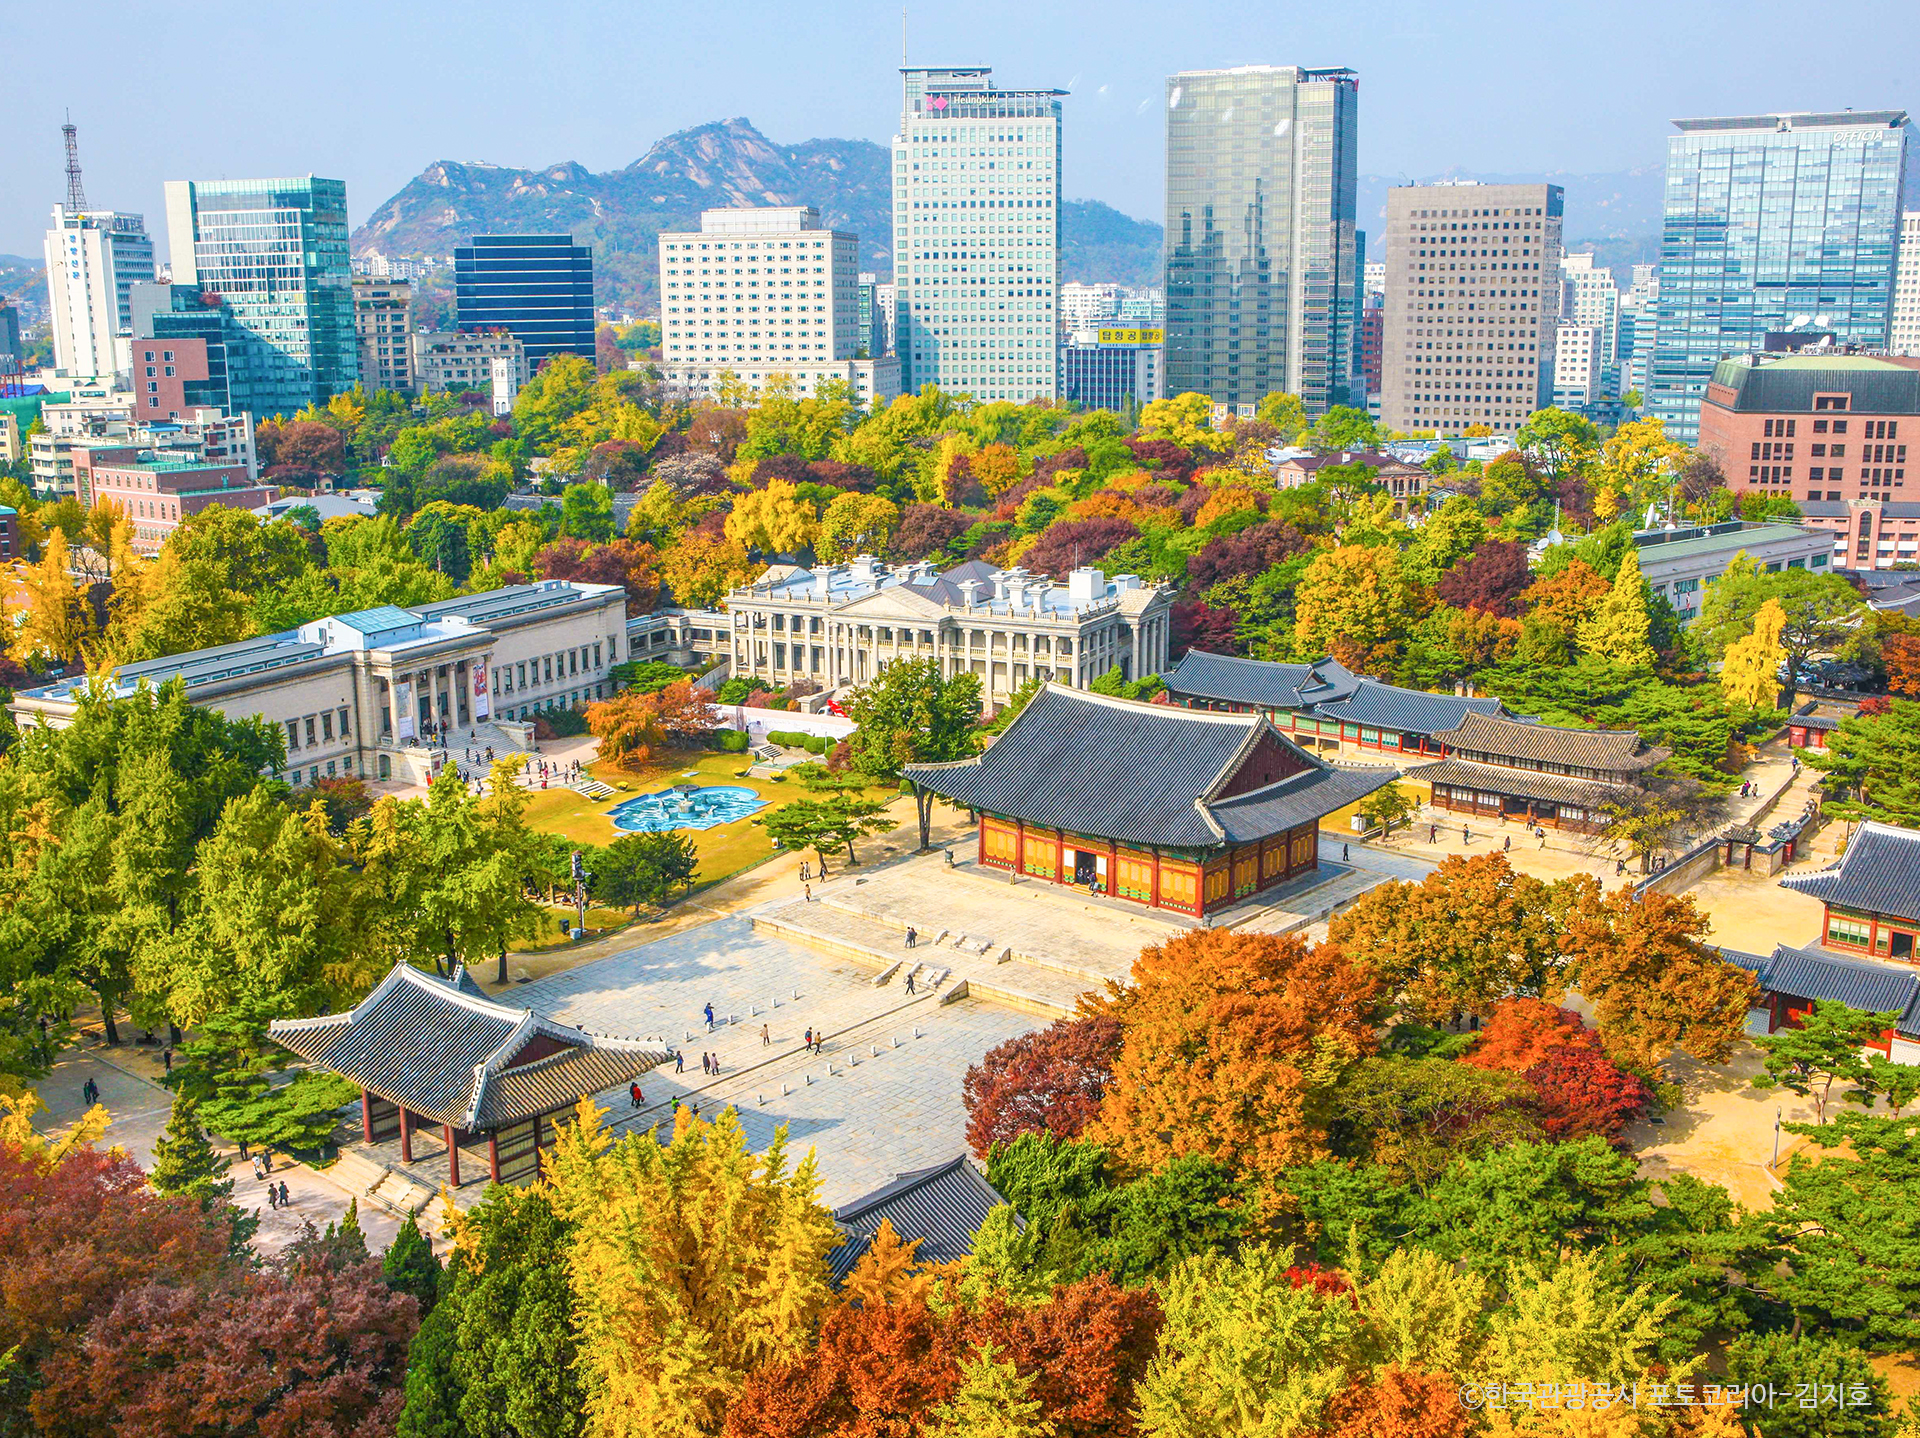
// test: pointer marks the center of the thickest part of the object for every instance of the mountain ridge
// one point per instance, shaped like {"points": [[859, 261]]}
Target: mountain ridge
{"points": [[721, 164]]}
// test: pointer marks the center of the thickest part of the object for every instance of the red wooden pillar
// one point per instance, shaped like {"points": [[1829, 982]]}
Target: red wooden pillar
{"points": [[366, 1115], [453, 1158], [1019, 846], [493, 1154], [406, 1136], [1155, 890]]}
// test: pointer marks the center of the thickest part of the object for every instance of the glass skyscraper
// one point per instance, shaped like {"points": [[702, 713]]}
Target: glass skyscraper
{"points": [[976, 235], [275, 252], [1262, 258], [538, 287], [1773, 223]]}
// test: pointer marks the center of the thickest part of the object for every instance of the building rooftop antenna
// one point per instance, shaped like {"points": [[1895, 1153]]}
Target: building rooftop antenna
{"points": [[76, 195]]}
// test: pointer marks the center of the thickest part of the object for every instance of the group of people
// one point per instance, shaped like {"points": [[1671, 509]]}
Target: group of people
{"points": [[814, 1040], [279, 1198]]}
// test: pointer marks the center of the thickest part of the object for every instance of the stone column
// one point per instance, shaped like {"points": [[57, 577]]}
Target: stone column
{"points": [[393, 709]]}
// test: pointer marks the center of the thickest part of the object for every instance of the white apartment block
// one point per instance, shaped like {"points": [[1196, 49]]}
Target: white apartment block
{"points": [[383, 325], [1578, 365], [453, 359], [1590, 297], [1903, 334], [381, 693], [755, 294], [1088, 307], [1473, 297], [843, 624], [976, 235], [94, 259]]}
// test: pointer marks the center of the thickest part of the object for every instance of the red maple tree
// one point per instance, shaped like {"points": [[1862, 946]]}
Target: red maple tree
{"points": [[1050, 1081]]}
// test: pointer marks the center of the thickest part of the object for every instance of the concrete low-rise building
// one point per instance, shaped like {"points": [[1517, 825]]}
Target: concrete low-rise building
{"points": [[462, 359], [1678, 564], [842, 624], [379, 694]]}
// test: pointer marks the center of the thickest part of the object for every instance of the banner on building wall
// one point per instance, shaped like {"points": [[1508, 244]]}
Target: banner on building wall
{"points": [[482, 707], [404, 696]]}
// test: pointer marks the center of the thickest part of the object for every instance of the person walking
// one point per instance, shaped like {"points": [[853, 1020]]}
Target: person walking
{"points": [[259, 1173], [286, 1199], [766, 1037], [807, 1041], [90, 1093], [807, 889], [1506, 845], [1433, 833], [166, 1059], [273, 1198], [1344, 854], [912, 935], [633, 1092], [1466, 836], [266, 1156], [679, 1062], [716, 1065], [709, 1018], [909, 982]]}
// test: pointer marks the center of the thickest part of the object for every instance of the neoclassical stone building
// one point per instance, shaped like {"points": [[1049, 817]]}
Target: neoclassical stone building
{"points": [[361, 694], [841, 624]]}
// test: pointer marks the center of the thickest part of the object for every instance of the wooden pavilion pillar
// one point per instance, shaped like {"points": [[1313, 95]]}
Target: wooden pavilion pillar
{"points": [[493, 1154], [366, 1114], [453, 1158], [406, 1136]]}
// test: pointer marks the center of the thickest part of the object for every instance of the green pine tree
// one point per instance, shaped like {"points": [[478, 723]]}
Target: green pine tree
{"points": [[410, 1267], [1621, 623], [184, 1161], [994, 1400]]}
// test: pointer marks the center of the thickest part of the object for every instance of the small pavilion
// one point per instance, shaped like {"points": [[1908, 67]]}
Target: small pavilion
{"points": [[437, 1059]]}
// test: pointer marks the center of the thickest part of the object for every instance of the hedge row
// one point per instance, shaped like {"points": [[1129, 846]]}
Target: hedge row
{"points": [[794, 739]]}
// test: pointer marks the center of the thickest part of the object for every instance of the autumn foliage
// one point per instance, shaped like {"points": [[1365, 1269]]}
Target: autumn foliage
{"points": [[1230, 1043], [634, 728], [1578, 1089], [1050, 1081]]}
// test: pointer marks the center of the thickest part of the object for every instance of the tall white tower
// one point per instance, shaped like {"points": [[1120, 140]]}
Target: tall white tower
{"points": [[976, 235], [94, 259]]}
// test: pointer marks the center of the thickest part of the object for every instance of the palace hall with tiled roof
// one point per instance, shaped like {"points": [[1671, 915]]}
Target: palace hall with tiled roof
{"points": [[1506, 768], [426, 1048], [1175, 808]]}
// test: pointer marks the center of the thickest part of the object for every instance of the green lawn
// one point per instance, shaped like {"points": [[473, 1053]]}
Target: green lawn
{"points": [[723, 850]]}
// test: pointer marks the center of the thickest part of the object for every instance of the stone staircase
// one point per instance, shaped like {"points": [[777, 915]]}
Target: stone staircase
{"points": [[373, 1182], [591, 787]]}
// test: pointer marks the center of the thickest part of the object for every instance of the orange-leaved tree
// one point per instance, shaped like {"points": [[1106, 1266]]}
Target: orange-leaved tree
{"points": [[634, 728], [1654, 987], [1470, 934], [1231, 1044]]}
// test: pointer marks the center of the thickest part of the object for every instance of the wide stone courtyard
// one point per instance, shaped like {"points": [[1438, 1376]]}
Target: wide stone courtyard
{"points": [[881, 1099]]}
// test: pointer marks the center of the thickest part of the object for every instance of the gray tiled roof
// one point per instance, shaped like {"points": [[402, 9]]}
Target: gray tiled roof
{"points": [[1325, 688], [442, 1049], [1879, 873], [1303, 798], [1812, 972], [1118, 769], [1614, 750], [940, 1206], [1522, 783]]}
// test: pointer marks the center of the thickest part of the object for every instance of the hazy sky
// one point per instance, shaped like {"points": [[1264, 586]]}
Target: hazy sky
{"points": [[373, 93]]}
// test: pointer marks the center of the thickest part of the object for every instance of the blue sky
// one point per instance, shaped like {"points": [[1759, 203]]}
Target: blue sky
{"points": [[373, 93]]}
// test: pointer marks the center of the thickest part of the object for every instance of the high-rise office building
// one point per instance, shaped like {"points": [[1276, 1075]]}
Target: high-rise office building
{"points": [[1262, 264], [1579, 364], [976, 235], [1588, 296], [383, 323], [1903, 336], [274, 254], [538, 286], [1473, 299], [758, 293], [94, 258], [1773, 223]]}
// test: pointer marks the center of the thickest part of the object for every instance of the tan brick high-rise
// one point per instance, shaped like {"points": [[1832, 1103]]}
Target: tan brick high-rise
{"points": [[1473, 293]]}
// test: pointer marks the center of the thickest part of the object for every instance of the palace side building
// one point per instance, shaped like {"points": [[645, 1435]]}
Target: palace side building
{"points": [[1172, 808]]}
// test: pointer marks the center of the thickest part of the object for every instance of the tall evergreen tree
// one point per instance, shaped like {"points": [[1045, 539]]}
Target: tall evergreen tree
{"points": [[410, 1265], [185, 1163]]}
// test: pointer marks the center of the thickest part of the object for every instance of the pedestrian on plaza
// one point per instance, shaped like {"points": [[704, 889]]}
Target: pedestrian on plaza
{"points": [[766, 1038], [1344, 854], [244, 1155], [1619, 867], [286, 1199], [633, 1092], [1433, 833], [804, 875], [273, 1198], [807, 1041], [1506, 845], [912, 934], [709, 1017], [909, 983], [716, 1065], [259, 1173], [679, 1062], [1466, 835], [166, 1058], [90, 1093], [807, 889], [266, 1156]]}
